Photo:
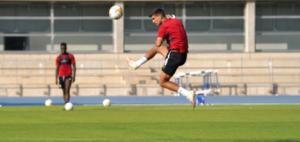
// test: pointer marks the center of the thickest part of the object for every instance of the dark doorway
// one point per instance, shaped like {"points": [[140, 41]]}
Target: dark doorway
{"points": [[15, 43]]}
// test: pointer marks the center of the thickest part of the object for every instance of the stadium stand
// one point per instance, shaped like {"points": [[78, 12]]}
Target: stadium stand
{"points": [[107, 74]]}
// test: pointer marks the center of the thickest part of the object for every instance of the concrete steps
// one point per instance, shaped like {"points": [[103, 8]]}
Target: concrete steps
{"points": [[259, 70]]}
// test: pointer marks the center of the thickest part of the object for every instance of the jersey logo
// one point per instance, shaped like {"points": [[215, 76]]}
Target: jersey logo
{"points": [[66, 60]]}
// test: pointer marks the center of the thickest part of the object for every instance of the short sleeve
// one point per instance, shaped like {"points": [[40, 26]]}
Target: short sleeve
{"points": [[162, 32], [72, 58]]}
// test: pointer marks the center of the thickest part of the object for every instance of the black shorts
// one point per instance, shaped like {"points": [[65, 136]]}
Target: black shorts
{"points": [[173, 61], [62, 80]]}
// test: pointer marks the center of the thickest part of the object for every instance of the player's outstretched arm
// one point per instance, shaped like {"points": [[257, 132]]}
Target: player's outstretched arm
{"points": [[158, 42], [73, 72], [57, 65], [73, 66], [56, 74]]}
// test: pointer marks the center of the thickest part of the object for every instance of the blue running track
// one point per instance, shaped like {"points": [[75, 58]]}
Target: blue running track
{"points": [[153, 100]]}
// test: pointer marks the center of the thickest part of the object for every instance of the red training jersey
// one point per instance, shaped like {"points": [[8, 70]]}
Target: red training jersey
{"points": [[64, 62], [173, 31]]}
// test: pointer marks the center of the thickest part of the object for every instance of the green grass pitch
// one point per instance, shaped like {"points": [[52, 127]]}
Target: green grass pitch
{"points": [[229, 123]]}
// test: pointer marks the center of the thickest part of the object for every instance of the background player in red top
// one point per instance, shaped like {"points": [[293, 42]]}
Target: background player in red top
{"points": [[175, 54], [65, 71]]}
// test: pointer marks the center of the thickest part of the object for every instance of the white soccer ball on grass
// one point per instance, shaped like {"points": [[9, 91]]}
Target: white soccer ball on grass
{"points": [[48, 102], [106, 103], [68, 106]]}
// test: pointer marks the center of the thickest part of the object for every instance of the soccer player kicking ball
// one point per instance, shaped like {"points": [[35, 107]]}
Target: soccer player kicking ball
{"points": [[171, 30], [65, 71]]}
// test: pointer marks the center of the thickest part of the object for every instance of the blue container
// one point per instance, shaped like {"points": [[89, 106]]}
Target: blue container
{"points": [[200, 99], [206, 86]]}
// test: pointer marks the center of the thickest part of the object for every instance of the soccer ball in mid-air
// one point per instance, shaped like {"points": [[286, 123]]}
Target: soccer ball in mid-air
{"points": [[106, 102], [115, 12], [68, 106], [48, 102]]}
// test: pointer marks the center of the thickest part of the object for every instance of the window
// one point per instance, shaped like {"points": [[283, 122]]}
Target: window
{"points": [[278, 26], [81, 24], [211, 26], [215, 26], [24, 26]]}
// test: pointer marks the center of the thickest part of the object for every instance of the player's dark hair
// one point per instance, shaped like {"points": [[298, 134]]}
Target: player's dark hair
{"points": [[63, 44], [158, 11]]}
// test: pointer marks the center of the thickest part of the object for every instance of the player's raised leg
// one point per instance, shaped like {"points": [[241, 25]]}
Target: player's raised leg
{"points": [[163, 50]]}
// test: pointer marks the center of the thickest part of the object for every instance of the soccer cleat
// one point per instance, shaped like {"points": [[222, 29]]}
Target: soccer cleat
{"points": [[192, 98], [132, 64]]}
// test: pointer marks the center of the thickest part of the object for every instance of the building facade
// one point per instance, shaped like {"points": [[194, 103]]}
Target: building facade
{"points": [[212, 26]]}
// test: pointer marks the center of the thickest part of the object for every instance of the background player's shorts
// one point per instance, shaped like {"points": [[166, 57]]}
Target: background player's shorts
{"points": [[173, 61], [62, 80]]}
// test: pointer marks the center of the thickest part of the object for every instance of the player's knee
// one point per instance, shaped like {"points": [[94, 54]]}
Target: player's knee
{"points": [[162, 83]]}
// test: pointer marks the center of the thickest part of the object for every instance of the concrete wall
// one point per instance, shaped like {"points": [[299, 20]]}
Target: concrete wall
{"points": [[277, 42], [1, 44], [196, 43], [38, 43]]}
